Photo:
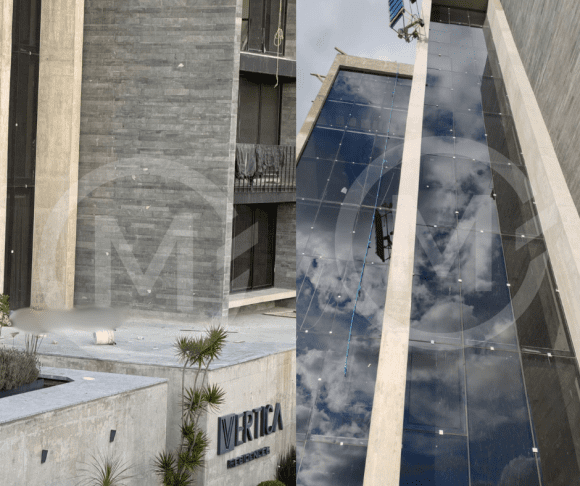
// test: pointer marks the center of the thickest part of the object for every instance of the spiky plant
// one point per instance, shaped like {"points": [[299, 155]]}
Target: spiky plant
{"points": [[4, 311], [286, 471], [178, 468], [104, 470]]}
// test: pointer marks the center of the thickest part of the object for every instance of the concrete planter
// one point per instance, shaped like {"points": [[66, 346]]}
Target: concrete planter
{"points": [[35, 385]]}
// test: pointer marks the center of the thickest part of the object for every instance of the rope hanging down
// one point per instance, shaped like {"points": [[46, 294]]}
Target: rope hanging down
{"points": [[278, 39], [372, 224]]}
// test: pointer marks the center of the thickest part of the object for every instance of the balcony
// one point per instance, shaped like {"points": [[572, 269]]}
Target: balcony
{"points": [[265, 173]]}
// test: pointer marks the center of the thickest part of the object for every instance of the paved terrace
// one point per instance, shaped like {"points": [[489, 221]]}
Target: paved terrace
{"points": [[148, 341]]}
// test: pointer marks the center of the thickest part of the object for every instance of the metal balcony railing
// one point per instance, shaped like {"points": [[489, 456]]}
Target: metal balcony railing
{"points": [[265, 168]]}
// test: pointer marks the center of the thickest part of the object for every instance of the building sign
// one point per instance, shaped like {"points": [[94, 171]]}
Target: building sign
{"points": [[235, 429], [238, 461]]}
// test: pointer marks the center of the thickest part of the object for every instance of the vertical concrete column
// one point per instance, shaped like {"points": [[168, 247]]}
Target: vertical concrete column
{"points": [[229, 216], [5, 62], [557, 212], [57, 156], [386, 430]]}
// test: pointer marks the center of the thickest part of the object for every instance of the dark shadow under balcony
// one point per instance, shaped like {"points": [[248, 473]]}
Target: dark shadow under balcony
{"points": [[265, 173]]}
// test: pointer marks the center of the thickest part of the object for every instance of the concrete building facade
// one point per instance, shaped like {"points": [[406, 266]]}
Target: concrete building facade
{"points": [[120, 125], [473, 345]]}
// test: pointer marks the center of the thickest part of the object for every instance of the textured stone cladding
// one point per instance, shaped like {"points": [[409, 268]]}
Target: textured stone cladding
{"points": [[285, 263], [288, 121], [290, 34], [546, 33], [156, 154]]}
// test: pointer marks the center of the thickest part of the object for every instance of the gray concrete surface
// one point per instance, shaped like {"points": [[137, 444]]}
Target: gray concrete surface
{"points": [[546, 34], [73, 421]]}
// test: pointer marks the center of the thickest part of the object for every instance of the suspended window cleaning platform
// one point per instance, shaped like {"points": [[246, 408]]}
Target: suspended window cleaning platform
{"points": [[408, 23]]}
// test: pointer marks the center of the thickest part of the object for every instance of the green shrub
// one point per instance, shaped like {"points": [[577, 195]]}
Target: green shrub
{"points": [[286, 471], [17, 368], [271, 483], [4, 311]]}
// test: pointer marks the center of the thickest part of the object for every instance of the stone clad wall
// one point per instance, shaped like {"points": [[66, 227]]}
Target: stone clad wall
{"points": [[546, 33], [158, 113]]}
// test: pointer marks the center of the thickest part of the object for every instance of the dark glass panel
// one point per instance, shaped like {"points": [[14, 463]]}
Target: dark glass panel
{"points": [[463, 60], [476, 19], [305, 213], [437, 122], [458, 16], [437, 200], [365, 227], [438, 48], [397, 124], [435, 391], [475, 201], [469, 126], [467, 93], [334, 114], [356, 147], [433, 459], [311, 349], [439, 14], [437, 145], [472, 150], [242, 243], [323, 143], [477, 34], [18, 275], [311, 177], [330, 464], [347, 182], [388, 190], [537, 308], [490, 87], [501, 138], [273, 16], [516, 211], [500, 439], [460, 35], [256, 36], [264, 244], [389, 149], [401, 98], [374, 90], [249, 112], [346, 87], [440, 97], [269, 114], [26, 28], [344, 402], [364, 118], [436, 61], [332, 230], [436, 300], [401, 81], [487, 311], [554, 396], [438, 78], [439, 35]]}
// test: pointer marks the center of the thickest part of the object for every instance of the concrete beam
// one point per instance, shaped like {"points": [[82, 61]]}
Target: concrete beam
{"points": [[386, 430], [557, 212], [5, 63]]}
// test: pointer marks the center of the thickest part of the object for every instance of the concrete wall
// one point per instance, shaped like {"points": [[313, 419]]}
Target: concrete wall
{"points": [[159, 108], [545, 33], [247, 385], [285, 260], [72, 433], [288, 112], [290, 34]]}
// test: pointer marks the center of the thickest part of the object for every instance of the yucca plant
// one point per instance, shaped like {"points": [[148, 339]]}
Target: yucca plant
{"points": [[178, 468], [4, 311], [286, 471], [104, 470]]}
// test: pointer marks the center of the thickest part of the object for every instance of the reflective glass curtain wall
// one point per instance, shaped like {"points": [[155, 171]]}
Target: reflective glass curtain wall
{"points": [[21, 151], [347, 183], [493, 395]]}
